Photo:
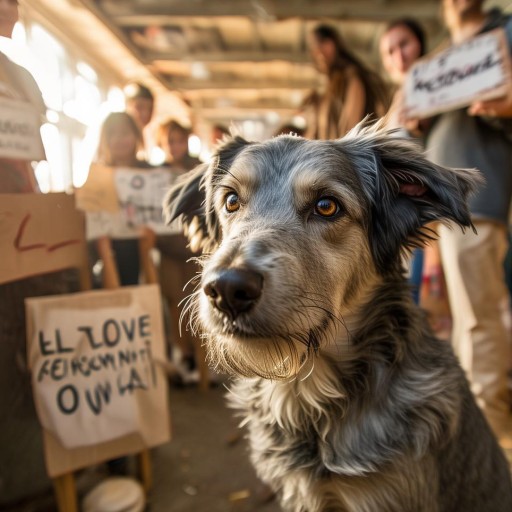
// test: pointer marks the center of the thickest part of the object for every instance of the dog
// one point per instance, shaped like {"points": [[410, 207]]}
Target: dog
{"points": [[350, 402]]}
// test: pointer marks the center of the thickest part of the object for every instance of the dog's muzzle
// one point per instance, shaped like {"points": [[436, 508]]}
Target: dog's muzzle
{"points": [[234, 290]]}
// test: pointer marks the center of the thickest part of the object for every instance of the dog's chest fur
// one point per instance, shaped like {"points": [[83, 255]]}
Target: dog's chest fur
{"points": [[310, 440]]}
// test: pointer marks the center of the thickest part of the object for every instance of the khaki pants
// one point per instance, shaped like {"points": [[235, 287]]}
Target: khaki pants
{"points": [[473, 268]]}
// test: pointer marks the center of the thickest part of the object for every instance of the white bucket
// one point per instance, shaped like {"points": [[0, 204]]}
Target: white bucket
{"points": [[116, 494]]}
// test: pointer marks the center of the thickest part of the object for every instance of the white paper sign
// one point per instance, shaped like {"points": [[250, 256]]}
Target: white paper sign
{"points": [[140, 194], [19, 131], [92, 357], [478, 69]]}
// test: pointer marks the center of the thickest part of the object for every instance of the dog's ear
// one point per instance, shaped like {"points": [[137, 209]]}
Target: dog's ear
{"points": [[191, 197], [406, 191]]}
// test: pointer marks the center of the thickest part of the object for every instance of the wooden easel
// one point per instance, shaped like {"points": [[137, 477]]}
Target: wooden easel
{"points": [[64, 485]]}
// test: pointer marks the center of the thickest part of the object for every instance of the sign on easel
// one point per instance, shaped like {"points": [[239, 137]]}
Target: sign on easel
{"points": [[118, 201], [39, 233], [20, 137], [98, 388], [476, 70]]}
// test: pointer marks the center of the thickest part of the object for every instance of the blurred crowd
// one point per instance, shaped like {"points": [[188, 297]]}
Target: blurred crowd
{"points": [[460, 279]]}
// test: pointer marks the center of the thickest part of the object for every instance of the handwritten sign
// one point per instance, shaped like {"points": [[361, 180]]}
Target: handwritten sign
{"points": [[478, 69], [39, 233], [95, 377], [119, 201], [20, 137]]}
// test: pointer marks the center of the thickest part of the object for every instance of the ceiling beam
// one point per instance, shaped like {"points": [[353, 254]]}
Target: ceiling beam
{"points": [[135, 12]]}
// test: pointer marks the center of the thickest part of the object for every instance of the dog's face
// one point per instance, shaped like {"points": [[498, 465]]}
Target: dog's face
{"points": [[300, 231]]}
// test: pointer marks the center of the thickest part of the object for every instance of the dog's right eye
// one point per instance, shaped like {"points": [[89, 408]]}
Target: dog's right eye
{"points": [[232, 202]]}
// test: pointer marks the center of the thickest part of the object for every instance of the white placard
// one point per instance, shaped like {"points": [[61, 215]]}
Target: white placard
{"points": [[478, 69], [20, 137], [92, 357]]}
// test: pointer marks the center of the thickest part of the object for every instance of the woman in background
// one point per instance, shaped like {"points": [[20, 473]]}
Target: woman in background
{"points": [[401, 45], [353, 91], [120, 141]]}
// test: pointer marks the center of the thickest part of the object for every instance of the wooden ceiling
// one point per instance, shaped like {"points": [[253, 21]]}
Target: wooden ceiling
{"points": [[243, 59]]}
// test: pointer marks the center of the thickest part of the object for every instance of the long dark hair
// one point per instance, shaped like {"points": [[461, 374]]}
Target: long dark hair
{"points": [[377, 94]]}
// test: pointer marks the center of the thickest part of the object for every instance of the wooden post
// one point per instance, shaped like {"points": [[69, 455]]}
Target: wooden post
{"points": [[65, 493]]}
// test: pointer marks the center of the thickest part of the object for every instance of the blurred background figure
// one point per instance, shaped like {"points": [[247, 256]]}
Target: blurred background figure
{"points": [[120, 142], [140, 103], [174, 140], [479, 137], [177, 273], [352, 92], [16, 83], [401, 44]]}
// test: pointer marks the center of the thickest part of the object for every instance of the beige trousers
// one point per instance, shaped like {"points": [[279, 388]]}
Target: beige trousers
{"points": [[473, 268]]}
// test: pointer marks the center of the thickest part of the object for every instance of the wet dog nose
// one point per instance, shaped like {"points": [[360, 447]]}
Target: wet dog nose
{"points": [[234, 290]]}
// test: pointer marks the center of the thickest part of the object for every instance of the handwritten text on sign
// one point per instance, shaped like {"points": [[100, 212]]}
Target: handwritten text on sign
{"points": [[92, 357], [39, 233], [478, 69], [19, 131]]}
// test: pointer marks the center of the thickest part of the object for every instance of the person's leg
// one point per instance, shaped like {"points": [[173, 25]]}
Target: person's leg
{"points": [[473, 266], [416, 275]]}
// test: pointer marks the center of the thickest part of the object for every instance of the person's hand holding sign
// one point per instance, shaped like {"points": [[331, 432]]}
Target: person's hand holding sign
{"points": [[500, 107]]}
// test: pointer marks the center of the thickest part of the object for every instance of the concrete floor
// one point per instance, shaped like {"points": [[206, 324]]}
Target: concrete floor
{"points": [[205, 468]]}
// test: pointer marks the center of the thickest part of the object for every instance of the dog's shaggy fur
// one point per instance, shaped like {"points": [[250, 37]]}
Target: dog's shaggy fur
{"points": [[350, 401]]}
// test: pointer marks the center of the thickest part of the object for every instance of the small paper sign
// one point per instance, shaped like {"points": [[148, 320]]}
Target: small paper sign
{"points": [[20, 137], [95, 377], [120, 201], [39, 233], [478, 69]]}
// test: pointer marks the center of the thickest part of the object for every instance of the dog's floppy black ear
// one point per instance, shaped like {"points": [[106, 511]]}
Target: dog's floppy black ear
{"points": [[406, 191], [191, 197], [185, 199]]}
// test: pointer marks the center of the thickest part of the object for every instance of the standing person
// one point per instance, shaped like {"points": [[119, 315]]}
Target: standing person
{"points": [[352, 92], [177, 273], [120, 141], [16, 83], [173, 138], [473, 262], [140, 103], [401, 44]]}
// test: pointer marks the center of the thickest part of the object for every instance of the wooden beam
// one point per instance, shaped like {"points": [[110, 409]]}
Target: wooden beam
{"points": [[133, 12]]}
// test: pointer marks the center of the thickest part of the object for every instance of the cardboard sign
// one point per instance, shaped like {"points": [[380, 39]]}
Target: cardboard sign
{"points": [[98, 389], [20, 137], [99, 191], [39, 233], [478, 69], [118, 202]]}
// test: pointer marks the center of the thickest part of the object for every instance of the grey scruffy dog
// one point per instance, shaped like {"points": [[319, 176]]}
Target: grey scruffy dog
{"points": [[350, 402]]}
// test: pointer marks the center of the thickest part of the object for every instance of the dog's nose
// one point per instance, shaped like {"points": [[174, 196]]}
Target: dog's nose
{"points": [[234, 290]]}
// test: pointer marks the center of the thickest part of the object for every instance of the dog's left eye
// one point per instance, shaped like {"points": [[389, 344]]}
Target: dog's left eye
{"points": [[327, 207], [232, 202]]}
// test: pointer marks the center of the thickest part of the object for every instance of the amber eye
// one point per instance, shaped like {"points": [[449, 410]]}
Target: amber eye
{"points": [[327, 207], [232, 202]]}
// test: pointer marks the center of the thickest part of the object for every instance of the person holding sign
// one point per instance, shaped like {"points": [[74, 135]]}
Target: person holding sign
{"points": [[120, 140], [22, 111], [477, 137]]}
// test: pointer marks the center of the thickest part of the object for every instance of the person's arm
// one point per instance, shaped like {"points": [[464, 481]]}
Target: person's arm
{"points": [[353, 104]]}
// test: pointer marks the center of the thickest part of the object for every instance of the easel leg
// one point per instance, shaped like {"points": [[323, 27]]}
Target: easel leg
{"points": [[65, 493], [144, 469]]}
